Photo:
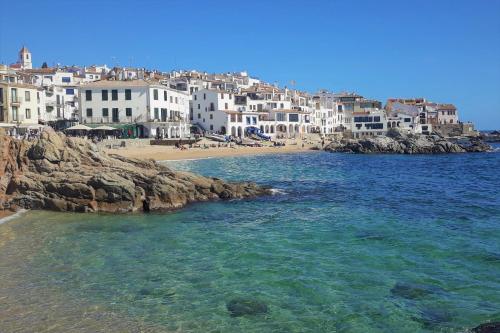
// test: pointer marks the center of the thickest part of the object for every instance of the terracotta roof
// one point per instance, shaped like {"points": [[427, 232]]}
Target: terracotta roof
{"points": [[446, 107], [40, 70], [21, 85]]}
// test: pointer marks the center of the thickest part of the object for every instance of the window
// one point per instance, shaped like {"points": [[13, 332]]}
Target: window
{"points": [[66, 79], [116, 115], [171, 99], [27, 96], [105, 112], [226, 106], [376, 118], [163, 114], [128, 94], [176, 101], [230, 96], [128, 112], [199, 116], [70, 91], [222, 95], [211, 116], [280, 116], [104, 94], [195, 97], [88, 95], [248, 120], [114, 95], [156, 115], [28, 113], [164, 95], [204, 96], [212, 107], [14, 113], [198, 106], [155, 94], [89, 112], [407, 120], [211, 127]]}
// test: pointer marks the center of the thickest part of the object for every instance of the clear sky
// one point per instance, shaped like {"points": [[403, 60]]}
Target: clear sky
{"points": [[445, 50]]}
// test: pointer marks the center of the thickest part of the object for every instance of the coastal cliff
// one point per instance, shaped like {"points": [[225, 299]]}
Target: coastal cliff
{"points": [[398, 143], [60, 173]]}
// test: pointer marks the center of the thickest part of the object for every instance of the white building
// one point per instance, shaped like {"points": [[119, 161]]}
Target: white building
{"points": [[230, 113], [60, 89], [404, 117], [148, 107], [370, 122], [19, 102]]}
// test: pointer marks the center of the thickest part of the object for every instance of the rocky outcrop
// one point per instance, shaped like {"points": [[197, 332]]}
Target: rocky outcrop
{"points": [[70, 174], [398, 143], [493, 327]]}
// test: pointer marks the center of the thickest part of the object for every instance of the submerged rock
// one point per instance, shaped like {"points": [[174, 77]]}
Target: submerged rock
{"points": [[433, 318], [242, 306], [411, 291], [493, 327], [398, 143], [60, 173]]}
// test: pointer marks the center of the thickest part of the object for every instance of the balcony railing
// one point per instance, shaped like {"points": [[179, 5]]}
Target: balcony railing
{"points": [[15, 100]]}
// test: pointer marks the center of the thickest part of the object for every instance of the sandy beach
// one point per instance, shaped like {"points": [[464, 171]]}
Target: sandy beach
{"points": [[169, 153]]}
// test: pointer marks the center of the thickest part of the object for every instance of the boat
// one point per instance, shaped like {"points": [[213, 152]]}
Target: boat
{"points": [[216, 137]]}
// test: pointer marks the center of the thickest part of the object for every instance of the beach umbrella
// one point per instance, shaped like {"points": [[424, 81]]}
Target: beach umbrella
{"points": [[79, 127]]}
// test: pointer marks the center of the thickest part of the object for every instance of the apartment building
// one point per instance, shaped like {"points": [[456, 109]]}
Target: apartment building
{"points": [[19, 103], [152, 108], [232, 113]]}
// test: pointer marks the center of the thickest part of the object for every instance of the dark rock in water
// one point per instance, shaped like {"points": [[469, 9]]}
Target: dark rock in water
{"points": [[400, 143], [243, 306], [493, 327], [432, 318], [411, 291]]}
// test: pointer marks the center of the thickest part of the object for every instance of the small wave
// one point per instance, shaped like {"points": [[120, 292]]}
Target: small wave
{"points": [[277, 191], [187, 159], [13, 216]]}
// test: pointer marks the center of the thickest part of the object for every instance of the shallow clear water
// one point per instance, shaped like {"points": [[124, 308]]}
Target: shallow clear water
{"points": [[352, 243]]}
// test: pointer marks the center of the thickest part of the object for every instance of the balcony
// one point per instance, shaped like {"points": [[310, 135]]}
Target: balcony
{"points": [[15, 100]]}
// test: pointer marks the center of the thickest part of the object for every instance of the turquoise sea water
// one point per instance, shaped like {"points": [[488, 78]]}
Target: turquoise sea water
{"points": [[351, 243]]}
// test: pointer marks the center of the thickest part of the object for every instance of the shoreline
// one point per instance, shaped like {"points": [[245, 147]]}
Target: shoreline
{"points": [[168, 153], [7, 215]]}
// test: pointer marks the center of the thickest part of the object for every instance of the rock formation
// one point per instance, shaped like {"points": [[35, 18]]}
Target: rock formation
{"points": [[70, 174], [398, 143]]}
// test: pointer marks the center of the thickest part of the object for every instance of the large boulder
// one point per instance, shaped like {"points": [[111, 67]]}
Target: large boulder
{"points": [[70, 174]]}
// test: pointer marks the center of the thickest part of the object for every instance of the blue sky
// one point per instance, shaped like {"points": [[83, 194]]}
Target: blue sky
{"points": [[445, 50]]}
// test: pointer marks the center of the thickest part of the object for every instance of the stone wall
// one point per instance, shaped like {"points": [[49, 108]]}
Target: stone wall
{"points": [[113, 143], [451, 130]]}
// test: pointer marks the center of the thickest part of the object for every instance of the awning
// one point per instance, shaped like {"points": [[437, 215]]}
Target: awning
{"points": [[104, 128], [78, 128]]}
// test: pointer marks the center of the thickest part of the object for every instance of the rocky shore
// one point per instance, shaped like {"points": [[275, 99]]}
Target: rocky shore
{"points": [[398, 143], [61, 173]]}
